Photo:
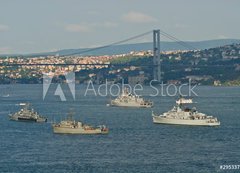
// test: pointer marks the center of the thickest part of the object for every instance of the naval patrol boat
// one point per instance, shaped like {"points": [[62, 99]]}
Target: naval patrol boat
{"points": [[179, 115], [27, 114], [127, 99], [70, 126]]}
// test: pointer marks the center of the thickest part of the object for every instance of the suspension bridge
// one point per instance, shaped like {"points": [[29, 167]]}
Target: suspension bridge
{"points": [[156, 53]]}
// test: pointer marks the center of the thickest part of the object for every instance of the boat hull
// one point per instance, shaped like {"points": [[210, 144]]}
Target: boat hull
{"points": [[162, 120], [28, 119], [64, 130], [127, 104]]}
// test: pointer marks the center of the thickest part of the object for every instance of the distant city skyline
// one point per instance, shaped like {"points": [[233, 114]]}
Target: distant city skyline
{"points": [[29, 26]]}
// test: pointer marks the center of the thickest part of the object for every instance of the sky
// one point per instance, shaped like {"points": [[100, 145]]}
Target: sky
{"points": [[31, 26]]}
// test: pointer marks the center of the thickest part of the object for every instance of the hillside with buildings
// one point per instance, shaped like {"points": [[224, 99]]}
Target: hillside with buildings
{"points": [[214, 66]]}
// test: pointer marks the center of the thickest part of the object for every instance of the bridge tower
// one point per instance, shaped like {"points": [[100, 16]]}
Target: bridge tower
{"points": [[156, 56]]}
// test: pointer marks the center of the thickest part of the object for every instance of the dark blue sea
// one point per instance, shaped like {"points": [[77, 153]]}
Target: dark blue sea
{"points": [[134, 144]]}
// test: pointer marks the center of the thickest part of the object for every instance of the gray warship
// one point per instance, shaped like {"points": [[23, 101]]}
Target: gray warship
{"points": [[27, 114], [70, 126], [179, 115], [127, 99]]}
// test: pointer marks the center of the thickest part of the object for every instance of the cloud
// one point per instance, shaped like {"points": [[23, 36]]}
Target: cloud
{"points": [[108, 24], [88, 27], [4, 28], [77, 28], [137, 17]]}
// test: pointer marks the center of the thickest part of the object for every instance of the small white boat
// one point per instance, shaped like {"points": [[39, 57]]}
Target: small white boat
{"points": [[22, 104], [184, 101], [5, 95]]}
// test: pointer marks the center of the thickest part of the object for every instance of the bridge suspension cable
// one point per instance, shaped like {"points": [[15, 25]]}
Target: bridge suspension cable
{"points": [[165, 34], [180, 42], [109, 45]]}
